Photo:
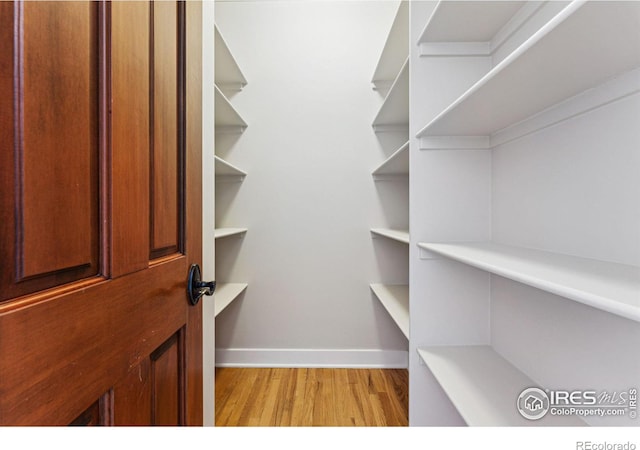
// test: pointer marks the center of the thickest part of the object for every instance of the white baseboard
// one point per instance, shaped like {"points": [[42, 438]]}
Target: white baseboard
{"points": [[332, 358]]}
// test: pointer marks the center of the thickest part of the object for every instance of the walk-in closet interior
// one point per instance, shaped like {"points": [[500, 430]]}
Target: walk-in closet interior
{"points": [[450, 187]]}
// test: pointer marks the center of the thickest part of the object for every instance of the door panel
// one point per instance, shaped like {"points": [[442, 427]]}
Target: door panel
{"points": [[116, 341], [51, 235], [167, 380], [166, 189], [58, 190]]}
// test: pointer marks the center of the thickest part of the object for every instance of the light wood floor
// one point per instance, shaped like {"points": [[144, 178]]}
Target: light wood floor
{"points": [[311, 397]]}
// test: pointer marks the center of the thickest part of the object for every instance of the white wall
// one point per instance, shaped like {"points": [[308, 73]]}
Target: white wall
{"points": [[309, 198], [570, 189]]}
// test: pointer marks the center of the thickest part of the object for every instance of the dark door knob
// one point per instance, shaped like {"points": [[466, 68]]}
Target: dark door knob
{"points": [[196, 288]]}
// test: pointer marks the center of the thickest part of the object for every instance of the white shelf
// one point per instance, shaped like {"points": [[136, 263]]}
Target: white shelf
{"points": [[468, 21], [396, 235], [226, 117], [396, 164], [607, 286], [581, 47], [227, 72], [226, 293], [395, 51], [483, 386], [224, 232], [395, 108], [395, 299], [227, 171]]}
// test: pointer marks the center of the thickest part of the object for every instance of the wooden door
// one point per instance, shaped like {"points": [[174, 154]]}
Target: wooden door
{"points": [[100, 213]]}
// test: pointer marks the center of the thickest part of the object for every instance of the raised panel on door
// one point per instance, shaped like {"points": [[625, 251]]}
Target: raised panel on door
{"points": [[167, 374], [50, 232], [167, 136]]}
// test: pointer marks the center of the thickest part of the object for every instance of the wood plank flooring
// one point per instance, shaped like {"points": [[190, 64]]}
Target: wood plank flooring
{"points": [[311, 397]]}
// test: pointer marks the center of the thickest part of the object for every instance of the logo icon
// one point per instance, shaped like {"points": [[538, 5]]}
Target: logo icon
{"points": [[533, 403]]}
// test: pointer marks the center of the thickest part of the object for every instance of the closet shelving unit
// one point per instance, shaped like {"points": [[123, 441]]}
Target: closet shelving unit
{"points": [[226, 232], [228, 75], [396, 235], [396, 165], [228, 172], [227, 293], [583, 56], [394, 112], [391, 77], [483, 385], [227, 119], [537, 75], [395, 50], [395, 299], [608, 286], [471, 27], [228, 78]]}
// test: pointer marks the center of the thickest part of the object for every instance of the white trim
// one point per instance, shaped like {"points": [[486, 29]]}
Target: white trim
{"points": [[391, 128], [455, 49], [455, 142], [230, 129], [229, 178], [333, 358], [231, 86], [390, 176]]}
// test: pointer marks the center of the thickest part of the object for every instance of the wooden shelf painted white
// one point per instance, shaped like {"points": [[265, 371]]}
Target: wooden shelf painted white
{"points": [[395, 108], [395, 51], [483, 386], [395, 299], [607, 286], [226, 293], [224, 232], [226, 117], [227, 171], [396, 235], [564, 58], [472, 25], [394, 165], [227, 71]]}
